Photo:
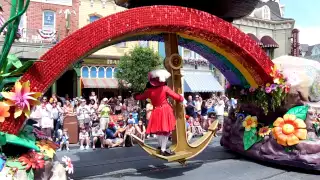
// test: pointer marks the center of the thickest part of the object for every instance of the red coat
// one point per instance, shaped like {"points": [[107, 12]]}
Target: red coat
{"points": [[162, 118]]}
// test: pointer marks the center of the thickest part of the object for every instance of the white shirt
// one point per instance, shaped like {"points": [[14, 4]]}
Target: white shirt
{"points": [[219, 108], [46, 117], [83, 112]]}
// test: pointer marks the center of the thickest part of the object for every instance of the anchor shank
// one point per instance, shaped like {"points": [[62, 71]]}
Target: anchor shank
{"points": [[179, 135]]}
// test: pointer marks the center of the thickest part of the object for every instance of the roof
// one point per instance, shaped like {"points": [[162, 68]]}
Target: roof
{"points": [[201, 82], [268, 42], [304, 47], [274, 9], [310, 48], [255, 39]]}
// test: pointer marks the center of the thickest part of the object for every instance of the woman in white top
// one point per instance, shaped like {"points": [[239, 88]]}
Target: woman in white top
{"points": [[46, 117], [93, 97], [83, 114], [219, 109]]}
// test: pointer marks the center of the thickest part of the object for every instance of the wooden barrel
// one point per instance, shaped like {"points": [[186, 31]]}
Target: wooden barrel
{"points": [[71, 123]]}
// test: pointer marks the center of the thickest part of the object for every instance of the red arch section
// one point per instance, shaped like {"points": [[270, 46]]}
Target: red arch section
{"points": [[145, 20]]}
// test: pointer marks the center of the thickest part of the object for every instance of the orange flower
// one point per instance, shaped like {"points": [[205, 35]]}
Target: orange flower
{"points": [[4, 111], [250, 122], [289, 130], [264, 131], [22, 98]]}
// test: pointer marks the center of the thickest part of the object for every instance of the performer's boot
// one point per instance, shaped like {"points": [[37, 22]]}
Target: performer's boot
{"points": [[164, 150]]}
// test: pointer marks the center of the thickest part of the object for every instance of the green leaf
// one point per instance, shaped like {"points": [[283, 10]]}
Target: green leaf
{"points": [[14, 60], [19, 71], [3, 140], [27, 134], [249, 138], [259, 138], [14, 164], [13, 139], [299, 111], [30, 174], [8, 80]]}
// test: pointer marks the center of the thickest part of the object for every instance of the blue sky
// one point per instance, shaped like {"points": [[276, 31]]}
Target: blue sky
{"points": [[307, 16]]}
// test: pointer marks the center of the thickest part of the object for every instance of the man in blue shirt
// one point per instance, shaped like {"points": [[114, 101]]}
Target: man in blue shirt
{"points": [[113, 138], [135, 116]]}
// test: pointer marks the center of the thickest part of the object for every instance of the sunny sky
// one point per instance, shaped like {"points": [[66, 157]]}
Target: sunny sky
{"points": [[307, 16]]}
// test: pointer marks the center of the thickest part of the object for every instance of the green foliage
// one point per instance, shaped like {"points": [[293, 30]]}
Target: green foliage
{"points": [[299, 111], [3, 140], [13, 139], [13, 163], [134, 67], [250, 138], [27, 134], [30, 174]]}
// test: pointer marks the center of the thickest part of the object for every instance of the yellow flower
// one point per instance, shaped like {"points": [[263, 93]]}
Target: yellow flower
{"points": [[250, 122], [22, 99], [268, 85], [264, 131], [47, 150], [4, 111], [289, 130]]}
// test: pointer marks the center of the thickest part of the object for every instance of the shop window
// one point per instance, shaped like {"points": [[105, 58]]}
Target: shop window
{"points": [[121, 45], [93, 72], [270, 52], [115, 70], [101, 72], [109, 72], [49, 20], [93, 18], [144, 44], [84, 72]]}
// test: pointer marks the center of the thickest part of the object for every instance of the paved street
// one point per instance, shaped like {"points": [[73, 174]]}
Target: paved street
{"points": [[214, 163]]}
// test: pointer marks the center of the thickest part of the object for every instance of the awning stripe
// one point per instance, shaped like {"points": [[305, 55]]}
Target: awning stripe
{"points": [[106, 83], [201, 82], [268, 42]]}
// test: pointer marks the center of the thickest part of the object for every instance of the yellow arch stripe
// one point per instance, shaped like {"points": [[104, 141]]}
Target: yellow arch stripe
{"points": [[228, 56]]}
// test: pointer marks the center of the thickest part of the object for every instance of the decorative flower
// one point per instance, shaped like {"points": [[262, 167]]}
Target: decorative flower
{"points": [[242, 92], [268, 90], [252, 89], [47, 150], [273, 86], [32, 160], [250, 122], [39, 134], [240, 116], [69, 165], [264, 131], [268, 85], [22, 98], [4, 111], [48, 143], [289, 130]]}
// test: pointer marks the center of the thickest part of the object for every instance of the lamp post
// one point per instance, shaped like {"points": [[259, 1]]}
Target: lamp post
{"points": [[77, 68]]}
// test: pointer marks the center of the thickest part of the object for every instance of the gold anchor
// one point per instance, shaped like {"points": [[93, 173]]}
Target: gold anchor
{"points": [[180, 145]]}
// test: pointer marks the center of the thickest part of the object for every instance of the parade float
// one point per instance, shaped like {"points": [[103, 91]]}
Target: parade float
{"points": [[273, 122], [25, 152]]}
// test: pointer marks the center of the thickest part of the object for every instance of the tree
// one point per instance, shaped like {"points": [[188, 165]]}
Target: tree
{"points": [[134, 66]]}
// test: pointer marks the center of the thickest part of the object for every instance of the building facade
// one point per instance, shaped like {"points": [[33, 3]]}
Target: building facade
{"points": [[267, 25], [98, 69]]}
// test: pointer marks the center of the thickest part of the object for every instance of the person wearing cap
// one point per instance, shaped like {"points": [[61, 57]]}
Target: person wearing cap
{"points": [[104, 110], [113, 136], [83, 114], [162, 121]]}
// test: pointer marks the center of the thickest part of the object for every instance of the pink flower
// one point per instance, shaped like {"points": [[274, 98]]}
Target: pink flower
{"points": [[242, 92], [22, 98], [268, 89], [252, 89]]}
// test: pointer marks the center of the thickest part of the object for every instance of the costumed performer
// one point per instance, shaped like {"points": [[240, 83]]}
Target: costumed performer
{"points": [[162, 121]]}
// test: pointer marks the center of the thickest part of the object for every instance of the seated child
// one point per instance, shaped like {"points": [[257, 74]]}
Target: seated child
{"points": [[97, 133], [197, 127], [140, 130], [64, 140], [130, 129], [84, 138]]}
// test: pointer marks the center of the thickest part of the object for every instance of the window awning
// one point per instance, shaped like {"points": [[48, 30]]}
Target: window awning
{"points": [[201, 82], [268, 42], [252, 36], [106, 83]]}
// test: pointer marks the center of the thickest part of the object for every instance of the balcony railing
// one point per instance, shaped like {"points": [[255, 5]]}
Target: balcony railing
{"points": [[38, 36]]}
